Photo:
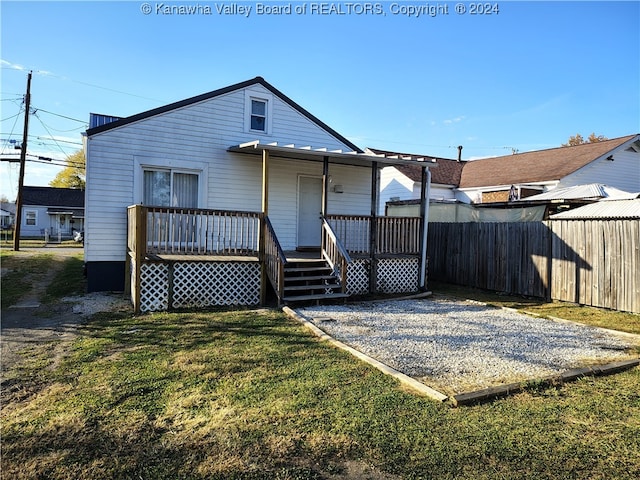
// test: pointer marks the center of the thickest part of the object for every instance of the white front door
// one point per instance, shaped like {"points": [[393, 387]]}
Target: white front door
{"points": [[309, 211]]}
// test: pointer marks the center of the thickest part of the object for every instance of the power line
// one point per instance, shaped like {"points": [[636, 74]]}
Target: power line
{"points": [[12, 116], [35, 114], [61, 116], [62, 141], [12, 128]]}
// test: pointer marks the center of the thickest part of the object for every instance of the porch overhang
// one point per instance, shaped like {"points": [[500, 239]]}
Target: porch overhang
{"points": [[74, 212], [309, 153]]}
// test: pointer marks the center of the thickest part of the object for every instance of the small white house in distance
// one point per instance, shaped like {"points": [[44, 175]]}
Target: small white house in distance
{"points": [[403, 182], [7, 215], [57, 212], [216, 199]]}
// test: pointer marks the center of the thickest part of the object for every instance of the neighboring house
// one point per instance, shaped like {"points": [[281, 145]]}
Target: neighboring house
{"points": [[403, 182], [614, 162], [7, 215], [52, 211], [211, 199]]}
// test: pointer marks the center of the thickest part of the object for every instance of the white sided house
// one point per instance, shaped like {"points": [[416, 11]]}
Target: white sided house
{"points": [[55, 213], [404, 182], [237, 195], [614, 162]]}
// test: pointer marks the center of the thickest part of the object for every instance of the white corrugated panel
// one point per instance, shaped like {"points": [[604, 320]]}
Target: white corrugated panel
{"points": [[618, 209], [592, 190]]}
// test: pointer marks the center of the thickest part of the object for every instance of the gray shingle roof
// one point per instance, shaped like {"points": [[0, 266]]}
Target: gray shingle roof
{"points": [[53, 197], [447, 172], [538, 166]]}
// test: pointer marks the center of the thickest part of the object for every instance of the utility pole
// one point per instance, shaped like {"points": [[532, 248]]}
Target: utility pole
{"points": [[23, 159]]}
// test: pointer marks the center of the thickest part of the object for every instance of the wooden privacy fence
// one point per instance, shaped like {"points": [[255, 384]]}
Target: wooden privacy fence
{"points": [[591, 262]]}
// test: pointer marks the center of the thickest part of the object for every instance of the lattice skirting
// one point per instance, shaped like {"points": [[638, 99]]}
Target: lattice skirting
{"points": [[398, 275], [154, 287], [358, 277], [198, 284], [394, 275], [201, 284]]}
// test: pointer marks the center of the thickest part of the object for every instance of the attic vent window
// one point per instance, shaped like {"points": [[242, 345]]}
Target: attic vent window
{"points": [[258, 108], [258, 115]]}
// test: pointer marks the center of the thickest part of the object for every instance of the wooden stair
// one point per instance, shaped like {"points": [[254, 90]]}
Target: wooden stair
{"points": [[310, 279]]}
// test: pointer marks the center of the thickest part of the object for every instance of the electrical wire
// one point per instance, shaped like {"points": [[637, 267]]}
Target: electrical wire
{"points": [[12, 129], [12, 116], [35, 114], [62, 141], [61, 116]]}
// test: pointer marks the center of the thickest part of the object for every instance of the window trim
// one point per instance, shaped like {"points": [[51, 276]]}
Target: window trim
{"points": [[26, 218], [249, 96], [172, 172], [183, 166]]}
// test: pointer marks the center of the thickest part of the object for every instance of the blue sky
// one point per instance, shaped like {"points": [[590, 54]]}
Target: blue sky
{"points": [[525, 78]]}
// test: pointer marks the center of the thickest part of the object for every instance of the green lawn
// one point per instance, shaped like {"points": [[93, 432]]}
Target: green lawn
{"points": [[253, 395]]}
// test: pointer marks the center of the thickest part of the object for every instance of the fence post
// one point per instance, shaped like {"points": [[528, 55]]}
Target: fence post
{"points": [[549, 245]]}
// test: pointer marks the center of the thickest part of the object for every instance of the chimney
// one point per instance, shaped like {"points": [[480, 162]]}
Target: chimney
{"points": [[459, 153]]}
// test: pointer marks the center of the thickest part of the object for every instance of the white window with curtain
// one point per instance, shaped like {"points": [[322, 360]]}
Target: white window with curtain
{"points": [[170, 188]]}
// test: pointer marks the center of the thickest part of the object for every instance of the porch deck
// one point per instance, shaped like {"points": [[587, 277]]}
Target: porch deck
{"points": [[196, 257]]}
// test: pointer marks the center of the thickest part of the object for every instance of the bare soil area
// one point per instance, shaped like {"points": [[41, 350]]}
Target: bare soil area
{"points": [[31, 323]]}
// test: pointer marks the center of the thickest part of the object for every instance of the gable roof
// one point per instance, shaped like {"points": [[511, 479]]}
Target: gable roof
{"points": [[538, 166], [447, 172], [8, 207], [216, 93], [53, 197]]}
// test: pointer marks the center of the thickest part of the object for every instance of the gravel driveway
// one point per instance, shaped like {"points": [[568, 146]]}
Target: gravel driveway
{"points": [[459, 346]]}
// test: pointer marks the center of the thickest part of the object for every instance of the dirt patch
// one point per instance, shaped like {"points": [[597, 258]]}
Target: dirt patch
{"points": [[30, 323]]}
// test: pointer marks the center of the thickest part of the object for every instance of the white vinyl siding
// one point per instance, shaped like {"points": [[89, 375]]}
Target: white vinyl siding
{"points": [[283, 194], [622, 173], [196, 137], [34, 221]]}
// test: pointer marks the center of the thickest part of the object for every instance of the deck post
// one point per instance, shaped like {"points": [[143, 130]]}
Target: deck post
{"points": [[325, 184], [263, 261], [425, 193], [373, 228], [263, 226], [140, 251], [265, 182]]}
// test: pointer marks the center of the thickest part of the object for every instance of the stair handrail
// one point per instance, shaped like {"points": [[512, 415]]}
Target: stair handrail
{"points": [[334, 252], [274, 259]]}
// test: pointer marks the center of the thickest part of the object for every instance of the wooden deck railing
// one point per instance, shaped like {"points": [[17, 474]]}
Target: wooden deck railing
{"points": [[192, 231], [274, 259], [394, 235], [334, 252]]}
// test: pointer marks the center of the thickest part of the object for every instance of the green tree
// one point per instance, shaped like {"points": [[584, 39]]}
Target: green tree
{"points": [[73, 175], [577, 139]]}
